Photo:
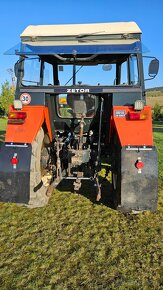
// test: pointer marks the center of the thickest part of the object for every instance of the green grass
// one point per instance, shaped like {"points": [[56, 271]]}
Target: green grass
{"points": [[75, 243], [158, 137]]}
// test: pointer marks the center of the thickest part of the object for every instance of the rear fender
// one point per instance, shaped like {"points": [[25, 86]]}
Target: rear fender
{"points": [[131, 132], [26, 133]]}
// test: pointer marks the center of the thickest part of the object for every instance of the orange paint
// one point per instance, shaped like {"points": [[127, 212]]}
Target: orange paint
{"points": [[26, 133], [133, 132]]}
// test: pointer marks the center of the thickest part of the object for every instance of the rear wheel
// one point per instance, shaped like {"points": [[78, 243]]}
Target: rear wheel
{"points": [[40, 176], [116, 172]]}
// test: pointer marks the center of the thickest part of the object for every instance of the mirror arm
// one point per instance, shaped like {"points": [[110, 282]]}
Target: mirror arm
{"points": [[146, 56], [151, 78]]}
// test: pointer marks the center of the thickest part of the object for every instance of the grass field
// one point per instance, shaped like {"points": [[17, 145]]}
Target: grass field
{"points": [[75, 243]]}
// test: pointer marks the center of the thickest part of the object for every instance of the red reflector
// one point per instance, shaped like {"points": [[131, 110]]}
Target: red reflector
{"points": [[16, 121], [139, 164], [17, 115], [14, 161]]}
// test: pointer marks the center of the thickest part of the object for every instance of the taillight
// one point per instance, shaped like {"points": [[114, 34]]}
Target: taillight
{"points": [[137, 115], [16, 117], [133, 116]]}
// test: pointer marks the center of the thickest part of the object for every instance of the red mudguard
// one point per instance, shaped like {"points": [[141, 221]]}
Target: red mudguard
{"points": [[26, 133], [132, 132]]}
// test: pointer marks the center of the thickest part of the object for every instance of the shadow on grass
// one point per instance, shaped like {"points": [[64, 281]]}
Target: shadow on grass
{"points": [[158, 126], [157, 129], [88, 190], [159, 123]]}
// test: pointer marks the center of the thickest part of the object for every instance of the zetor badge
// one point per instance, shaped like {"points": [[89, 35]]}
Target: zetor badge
{"points": [[25, 99]]}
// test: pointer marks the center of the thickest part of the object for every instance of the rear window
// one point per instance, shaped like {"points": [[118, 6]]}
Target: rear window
{"points": [[76, 106]]}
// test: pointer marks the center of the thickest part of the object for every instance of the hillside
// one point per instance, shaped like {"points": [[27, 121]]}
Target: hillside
{"points": [[160, 89], [155, 96]]}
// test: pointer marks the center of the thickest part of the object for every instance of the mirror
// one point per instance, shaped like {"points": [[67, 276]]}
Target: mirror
{"points": [[19, 68], [107, 67], [153, 68]]}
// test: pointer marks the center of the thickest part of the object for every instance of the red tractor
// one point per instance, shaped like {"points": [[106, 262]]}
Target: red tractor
{"points": [[79, 98]]}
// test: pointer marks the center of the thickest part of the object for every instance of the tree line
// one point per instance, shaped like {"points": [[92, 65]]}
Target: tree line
{"points": [[6, 98]]}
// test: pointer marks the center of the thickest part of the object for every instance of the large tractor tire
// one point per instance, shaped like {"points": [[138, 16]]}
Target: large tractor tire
{"points": [[40, 178]]}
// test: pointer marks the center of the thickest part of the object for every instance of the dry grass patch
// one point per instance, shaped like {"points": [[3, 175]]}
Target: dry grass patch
{"points": [[151, 101]]}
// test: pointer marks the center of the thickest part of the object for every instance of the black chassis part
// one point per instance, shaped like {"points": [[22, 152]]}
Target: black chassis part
{"points": [[15, 183], [138, 191]]}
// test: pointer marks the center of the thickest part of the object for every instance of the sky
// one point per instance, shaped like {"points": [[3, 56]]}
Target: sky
{"points": [[16, 15]]}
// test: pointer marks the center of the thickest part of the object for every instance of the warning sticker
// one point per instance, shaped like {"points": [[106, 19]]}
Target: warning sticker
{"points": [[119, 113], [25, 98]]}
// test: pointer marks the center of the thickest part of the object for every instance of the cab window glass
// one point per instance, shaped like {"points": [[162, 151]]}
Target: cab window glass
{"points": [[74, 106], [48, 74], [124, 73], [134, 70], [99, 74], [31, 75]]}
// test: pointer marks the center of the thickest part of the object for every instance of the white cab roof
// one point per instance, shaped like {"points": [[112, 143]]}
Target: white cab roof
{"points": [[114, 28]]}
